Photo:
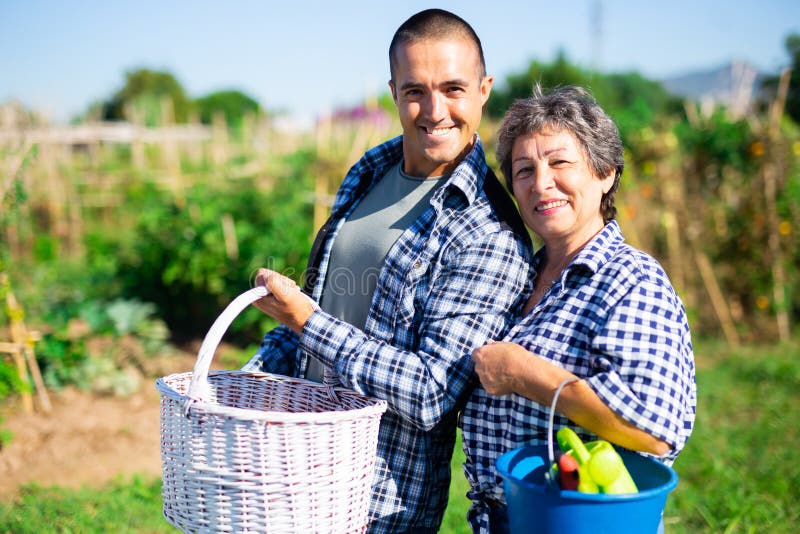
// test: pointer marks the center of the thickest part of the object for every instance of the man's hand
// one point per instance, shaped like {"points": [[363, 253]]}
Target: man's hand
{"points": [[285, 303]]}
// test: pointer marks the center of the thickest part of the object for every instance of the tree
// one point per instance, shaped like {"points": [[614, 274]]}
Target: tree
{"points": [[630, 99], [792, 108], [145, 92], [234, 105]]}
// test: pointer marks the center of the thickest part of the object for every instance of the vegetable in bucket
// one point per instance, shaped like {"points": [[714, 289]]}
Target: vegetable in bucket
{"points": [[600, 468]]}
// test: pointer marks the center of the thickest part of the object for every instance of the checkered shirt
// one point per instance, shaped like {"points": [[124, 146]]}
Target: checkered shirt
{"points": [[613, 319], [455, 278]]}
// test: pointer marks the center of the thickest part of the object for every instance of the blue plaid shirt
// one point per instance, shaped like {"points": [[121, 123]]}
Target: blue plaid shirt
{"points": [[613, 319], [455, 278]]}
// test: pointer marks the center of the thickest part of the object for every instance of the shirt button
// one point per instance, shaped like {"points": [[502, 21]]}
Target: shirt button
{"points": [[417, 265]]}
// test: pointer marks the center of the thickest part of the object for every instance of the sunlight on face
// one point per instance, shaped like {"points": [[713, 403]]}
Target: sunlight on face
{"points": [[559, 195], [439, 95]]}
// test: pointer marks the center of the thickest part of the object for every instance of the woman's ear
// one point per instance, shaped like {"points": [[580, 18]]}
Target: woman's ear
{"points": [[608, 181]]}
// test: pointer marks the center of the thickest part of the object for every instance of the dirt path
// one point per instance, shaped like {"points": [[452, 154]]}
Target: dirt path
{"points": [[87, 439]]}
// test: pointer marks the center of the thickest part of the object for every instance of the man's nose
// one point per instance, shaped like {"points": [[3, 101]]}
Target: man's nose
{"points": [[434, 106]]}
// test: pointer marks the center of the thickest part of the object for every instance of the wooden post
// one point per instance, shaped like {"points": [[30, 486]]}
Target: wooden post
{"points": [[137, 145], [169, 147], [219, 139]]}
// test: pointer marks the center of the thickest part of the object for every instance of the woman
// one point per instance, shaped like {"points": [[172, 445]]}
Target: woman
{"points": [[601, 311]]}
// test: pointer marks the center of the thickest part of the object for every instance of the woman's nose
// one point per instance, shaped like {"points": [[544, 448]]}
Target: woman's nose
{"points": [[543, 179]]}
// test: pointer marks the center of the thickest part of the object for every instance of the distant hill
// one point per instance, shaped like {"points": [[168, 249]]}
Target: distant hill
{"points": [[735, 85]]}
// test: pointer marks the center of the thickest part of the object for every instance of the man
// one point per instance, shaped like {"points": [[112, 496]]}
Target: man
{"points": [[424, 258]]}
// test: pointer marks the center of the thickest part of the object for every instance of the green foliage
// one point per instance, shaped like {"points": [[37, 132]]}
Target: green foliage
{"points": [[5, 436], [64, 355], [455, 516], [233, 105], [145, 91], [124, 506], [182, 260], [739, 471], [630, 99]]}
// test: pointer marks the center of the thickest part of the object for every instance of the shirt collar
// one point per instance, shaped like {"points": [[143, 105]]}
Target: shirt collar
{"points": [[467, 177], [596, 253]]}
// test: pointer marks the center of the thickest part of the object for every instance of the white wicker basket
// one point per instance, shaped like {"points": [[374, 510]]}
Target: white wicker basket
{"points": [[255, 452]]}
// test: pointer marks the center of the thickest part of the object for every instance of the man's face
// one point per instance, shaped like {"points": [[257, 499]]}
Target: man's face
{"points": [[439, 94]]}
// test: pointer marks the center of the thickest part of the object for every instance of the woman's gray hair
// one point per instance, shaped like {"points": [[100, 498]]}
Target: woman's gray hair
{"points": [[571, 109]]}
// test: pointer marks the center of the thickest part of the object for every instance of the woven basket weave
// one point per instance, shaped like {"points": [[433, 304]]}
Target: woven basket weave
{"points": [[256, 452]]}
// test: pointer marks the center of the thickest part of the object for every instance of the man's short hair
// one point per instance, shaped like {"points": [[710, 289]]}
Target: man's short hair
{"points": [[433, 24]]}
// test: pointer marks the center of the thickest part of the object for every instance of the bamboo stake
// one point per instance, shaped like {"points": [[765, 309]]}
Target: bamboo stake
{"points": [[769, 173], [229, 235], [24, 339], [219, 139], [321, 175], [169, 150], [15, 348], [717, 299], [137, 145]]}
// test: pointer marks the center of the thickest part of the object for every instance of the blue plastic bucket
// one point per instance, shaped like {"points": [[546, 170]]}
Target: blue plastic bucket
{"points": [[535, 507]]}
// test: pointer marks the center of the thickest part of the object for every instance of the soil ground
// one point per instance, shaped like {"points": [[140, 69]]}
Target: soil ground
{"points": [[88, 439]]}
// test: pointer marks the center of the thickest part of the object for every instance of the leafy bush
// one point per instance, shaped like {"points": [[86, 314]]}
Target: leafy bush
{"points": [[66, 357], [183, 261], [233, 105]]}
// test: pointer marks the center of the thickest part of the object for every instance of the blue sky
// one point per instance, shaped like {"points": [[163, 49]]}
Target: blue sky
{"points": [[312, 56]]}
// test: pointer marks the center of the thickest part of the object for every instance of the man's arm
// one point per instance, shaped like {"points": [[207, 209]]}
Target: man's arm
{"points": [[473, 300]]}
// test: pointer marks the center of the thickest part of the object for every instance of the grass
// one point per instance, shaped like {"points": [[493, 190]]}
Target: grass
{"points": [[738, 474], [125, 506]]}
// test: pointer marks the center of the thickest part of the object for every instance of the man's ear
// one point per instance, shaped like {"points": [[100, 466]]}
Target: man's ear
{"points": [[394, 92], [486, 88]]}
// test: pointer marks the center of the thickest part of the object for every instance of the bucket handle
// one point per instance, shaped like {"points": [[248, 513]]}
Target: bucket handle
{"points": [[199, 388], [551, 480]]}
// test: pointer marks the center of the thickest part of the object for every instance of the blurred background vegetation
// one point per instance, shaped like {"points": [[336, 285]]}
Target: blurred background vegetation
{"points": [[139, 222]]}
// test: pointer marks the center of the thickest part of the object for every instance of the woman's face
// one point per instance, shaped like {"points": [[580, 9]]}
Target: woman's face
{"points": [[558, 194]]}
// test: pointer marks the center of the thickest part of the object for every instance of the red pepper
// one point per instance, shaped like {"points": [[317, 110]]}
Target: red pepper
{"points": [[568, 472]]}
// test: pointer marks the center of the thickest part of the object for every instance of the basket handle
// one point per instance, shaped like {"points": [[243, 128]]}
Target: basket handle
{"points": [[199, 388], [550, 454]]}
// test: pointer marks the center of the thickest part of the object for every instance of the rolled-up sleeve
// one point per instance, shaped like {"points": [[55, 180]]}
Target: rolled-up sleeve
{"points": [[642, 363]]}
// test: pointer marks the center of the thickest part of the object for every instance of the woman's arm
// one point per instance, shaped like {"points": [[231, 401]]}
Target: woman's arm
{"points": [[509, 368]]}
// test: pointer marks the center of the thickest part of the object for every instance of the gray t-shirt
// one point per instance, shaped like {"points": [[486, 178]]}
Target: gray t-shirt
{"points": [[360, 247]]}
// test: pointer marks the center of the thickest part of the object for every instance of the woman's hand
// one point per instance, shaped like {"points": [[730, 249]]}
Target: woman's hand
{"points": [[499, 366], [284, 303]]}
